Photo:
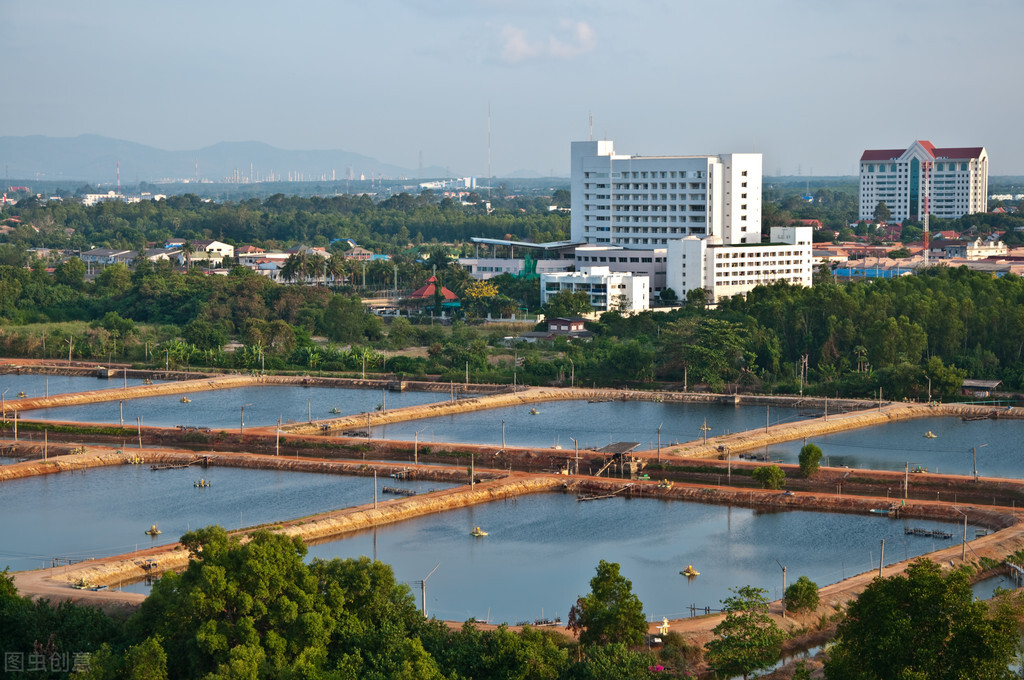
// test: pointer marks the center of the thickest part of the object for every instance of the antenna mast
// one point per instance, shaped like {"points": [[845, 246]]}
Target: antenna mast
{"points": [[591, 127], [927, 182], [118, 178], [488, 149]]}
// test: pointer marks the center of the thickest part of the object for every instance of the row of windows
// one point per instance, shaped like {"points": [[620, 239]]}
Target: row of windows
{"points": [[902, 167], [653, 174], [595, 258]]}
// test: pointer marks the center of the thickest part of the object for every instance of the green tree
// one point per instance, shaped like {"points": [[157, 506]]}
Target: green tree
{"points": [[70, 272], [610, 612], [770, 476], [924, 624], [748, 639], [568, 303], [810, 459], [204, 335], [882, 212], [802, 595]]}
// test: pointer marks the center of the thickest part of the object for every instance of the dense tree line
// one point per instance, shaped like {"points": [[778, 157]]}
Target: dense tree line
{"points": [[389, 226], [256, 609]]}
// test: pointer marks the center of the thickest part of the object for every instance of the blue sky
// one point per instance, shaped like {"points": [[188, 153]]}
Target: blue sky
{"points": [[809, 84]]}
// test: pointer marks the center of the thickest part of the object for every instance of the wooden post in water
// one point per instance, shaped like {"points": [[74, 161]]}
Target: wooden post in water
{"points": [[881, 559], [277, 443], [121, 402], [138, 427], [374, 488], [309, 410], [46, 432]]}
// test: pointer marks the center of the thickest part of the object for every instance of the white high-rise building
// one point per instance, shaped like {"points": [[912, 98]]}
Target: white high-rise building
{"points": [[954, 181], [681, 222], [644, 202]]}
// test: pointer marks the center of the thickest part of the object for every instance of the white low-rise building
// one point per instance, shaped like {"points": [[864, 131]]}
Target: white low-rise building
{"points": [[607, 290], [727, 270]]}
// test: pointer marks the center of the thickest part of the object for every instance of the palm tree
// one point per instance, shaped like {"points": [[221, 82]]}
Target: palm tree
{"points": [[337, 267], [186, 250], [293, 267], [316, 264]]}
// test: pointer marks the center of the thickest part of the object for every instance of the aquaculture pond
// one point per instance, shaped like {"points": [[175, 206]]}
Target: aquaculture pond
{"points": [[541, 552], [34, 385], [951, 449], [593, 424], [223, 409], [106, 511]]}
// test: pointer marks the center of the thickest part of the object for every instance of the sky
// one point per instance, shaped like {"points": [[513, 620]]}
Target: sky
{"points": [[808, 83]]}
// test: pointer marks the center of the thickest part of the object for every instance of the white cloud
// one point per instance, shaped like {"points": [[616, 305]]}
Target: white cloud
{"points": [[515, 46], [583, 37], [576, 38]]}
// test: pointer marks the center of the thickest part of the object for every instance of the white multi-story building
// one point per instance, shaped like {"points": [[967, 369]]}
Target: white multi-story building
{"points": [[649, 263], [954, 181], [727, 270], [647, 201], [607, 290]]}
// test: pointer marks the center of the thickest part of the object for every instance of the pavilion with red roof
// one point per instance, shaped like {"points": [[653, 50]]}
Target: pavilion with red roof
{"points": [[429, 289]]}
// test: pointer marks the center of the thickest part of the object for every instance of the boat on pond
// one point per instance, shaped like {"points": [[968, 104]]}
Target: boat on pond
{"points": [[534, 412], [184, 400], [335, 409], [930, 435], [202, 483], [690, 572], [153, 531], [478, 532]]}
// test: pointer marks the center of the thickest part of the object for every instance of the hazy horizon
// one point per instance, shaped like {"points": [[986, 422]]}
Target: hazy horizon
{"points": [[809, 85]]}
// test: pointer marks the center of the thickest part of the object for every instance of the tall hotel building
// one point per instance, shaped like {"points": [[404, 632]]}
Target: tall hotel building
{"points": [[954, 181], [684, 222]]}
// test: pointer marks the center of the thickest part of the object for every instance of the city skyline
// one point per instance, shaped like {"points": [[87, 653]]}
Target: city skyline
{"points": [[508, 86]]}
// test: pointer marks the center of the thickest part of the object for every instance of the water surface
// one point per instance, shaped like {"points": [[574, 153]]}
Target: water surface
{"points": [[223, 409], [105, 511], [593, 424], [34, 385], [893, 446], [541, 552]]}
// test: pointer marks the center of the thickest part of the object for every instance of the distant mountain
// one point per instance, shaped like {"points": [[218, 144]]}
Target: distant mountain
{"points": [[92, 158]]}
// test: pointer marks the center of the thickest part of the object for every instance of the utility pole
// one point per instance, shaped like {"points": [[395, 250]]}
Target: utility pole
{"points": [[277, 443], [502, 436], [659, 441], [374, 488], [783, 588], [881, 559], [705, 429], [423, 589]]}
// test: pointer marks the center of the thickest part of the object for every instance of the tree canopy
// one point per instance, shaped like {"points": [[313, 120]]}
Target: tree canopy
{"points": [[924, 624], [610, 612], [748, 639]]}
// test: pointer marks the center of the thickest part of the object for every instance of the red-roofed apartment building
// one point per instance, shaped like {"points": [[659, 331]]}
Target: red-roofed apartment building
{"points": [[953, 181]]}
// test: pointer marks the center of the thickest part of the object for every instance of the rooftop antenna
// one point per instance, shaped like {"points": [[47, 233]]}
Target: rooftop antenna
{"points": [[927, 182], [488, 149], [591, 127], [118, 178]]}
